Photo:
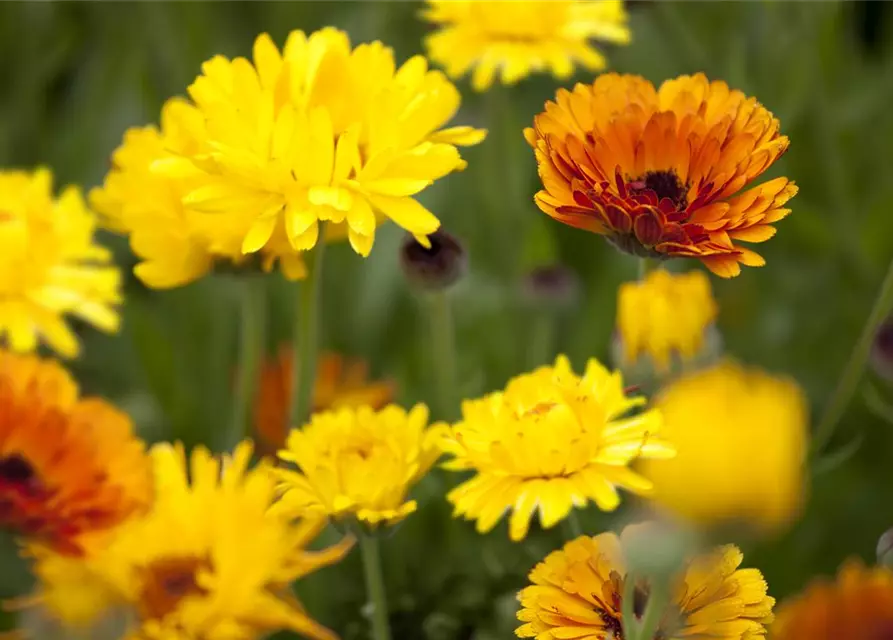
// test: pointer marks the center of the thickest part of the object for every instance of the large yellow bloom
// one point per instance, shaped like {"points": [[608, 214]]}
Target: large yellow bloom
{"points": [[358, 463], [552, 441], [518, 37], [577, 592], [742, 440], [857, 606], [662, 172], [270, 148], [208, 562], [50, 265], [68, 465], [663, 316]]}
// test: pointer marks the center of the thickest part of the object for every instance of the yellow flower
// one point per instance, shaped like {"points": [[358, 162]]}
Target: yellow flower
{"points": [[577, 592], [358, 463], [663, 316], [552, 441], [208, 562], [662, 172], [742, 439], [518, 37], [50, 265], [858, 606], [317, 132]]}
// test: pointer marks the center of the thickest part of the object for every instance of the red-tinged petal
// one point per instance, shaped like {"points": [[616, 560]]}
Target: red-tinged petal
{"points": [[648, 226]]}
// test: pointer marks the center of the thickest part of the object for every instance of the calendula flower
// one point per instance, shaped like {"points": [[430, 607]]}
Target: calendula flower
{"points": [[551, 441], [340, 382], [317, 132], [50, 265], [857, 606], [742, 440], [663, 172], [68, 465], [577, 592], [664, 316], [357, 463], [518, 37], [210, 561]]}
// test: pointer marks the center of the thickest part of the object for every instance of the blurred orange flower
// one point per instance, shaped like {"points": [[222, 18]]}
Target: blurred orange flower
{"points": [[68, 465], [660, 171], [340, 382]]}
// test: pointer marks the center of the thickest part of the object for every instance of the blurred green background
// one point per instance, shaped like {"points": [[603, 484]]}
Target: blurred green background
{"points": [[76, 75]]}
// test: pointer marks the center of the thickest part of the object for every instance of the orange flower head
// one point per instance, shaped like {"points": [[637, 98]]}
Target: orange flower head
{"points": [[340, 382], [663, 172], [68, 465]]}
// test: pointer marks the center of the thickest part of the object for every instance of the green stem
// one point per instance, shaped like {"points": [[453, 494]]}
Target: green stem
{"points": [[646, 266], [251, 349], [375, 589], [503, 184], [542, 339], [852, 371], [572, 526], [627, 608], [443, 344], [654, 611], [305, 342]]}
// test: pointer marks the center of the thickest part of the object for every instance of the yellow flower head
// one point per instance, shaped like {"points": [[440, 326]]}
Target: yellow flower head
{"points": [[552, 440], [742, 439], [577, 592], [271, 147], [210, 561], [857, 606], [663, 316], [519, 37], [50, 265], [358, 463]]}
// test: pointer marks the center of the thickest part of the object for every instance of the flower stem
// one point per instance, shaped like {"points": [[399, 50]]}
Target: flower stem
{"points": [[305, 347], [627, 608], [654, 611], [852, 371], [443, 344], [646, 266], [251, 348], [375, 589], [572, 526], [542, 339]]}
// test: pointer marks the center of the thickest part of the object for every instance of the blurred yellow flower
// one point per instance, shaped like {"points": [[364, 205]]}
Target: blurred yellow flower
{"points": [[50, 265], [208, 562], [519, 37], [742, 440], [577, 592], [553, 441], [317, 132], [663, 316], [857, 606], [358, 463]]}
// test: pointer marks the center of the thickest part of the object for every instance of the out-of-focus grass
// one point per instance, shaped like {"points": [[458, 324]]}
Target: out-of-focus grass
{"points": [[75, 75]]}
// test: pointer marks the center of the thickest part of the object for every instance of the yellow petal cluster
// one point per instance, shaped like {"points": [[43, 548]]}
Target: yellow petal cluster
{"points": [[515, 38], [359, 463], [742, 440], [663, 316], [577, 592], [208, 562], [271, 147], [50, 265], [551, 441]]}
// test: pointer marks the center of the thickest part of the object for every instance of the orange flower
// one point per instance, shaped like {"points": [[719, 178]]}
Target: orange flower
{"points": [[660, 172], [68, 465], [339, 383]]}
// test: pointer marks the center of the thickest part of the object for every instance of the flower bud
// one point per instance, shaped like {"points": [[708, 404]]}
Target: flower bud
{"points": [[555, 286], [885, 549], [436, 267], [882, 350]]}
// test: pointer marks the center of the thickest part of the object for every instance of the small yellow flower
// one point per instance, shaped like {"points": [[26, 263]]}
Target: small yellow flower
{"points": [[50, 265], [358, 463], [577, 592], [857, 606], [553, 441], [519, 37], [742, 439], [663, 316], [210, 561]]}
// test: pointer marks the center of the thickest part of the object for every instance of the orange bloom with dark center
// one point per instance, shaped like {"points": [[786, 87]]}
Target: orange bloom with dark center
{"points": [[663, 172], [340, 382], [68, 465]]}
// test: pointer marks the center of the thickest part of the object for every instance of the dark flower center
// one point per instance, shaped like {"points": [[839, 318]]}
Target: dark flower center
{"points": [[436, 267], [15, 469], [167, 582], [664, 184]]}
